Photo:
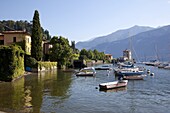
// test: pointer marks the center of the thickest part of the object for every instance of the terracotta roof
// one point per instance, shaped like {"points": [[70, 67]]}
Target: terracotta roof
{"points": [[15, 32]]}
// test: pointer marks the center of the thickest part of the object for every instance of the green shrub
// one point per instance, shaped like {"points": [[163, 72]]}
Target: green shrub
{"points": [[11, 62], [30, 62], [46, 65]]}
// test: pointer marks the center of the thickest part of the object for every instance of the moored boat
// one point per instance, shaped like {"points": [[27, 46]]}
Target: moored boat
{"points": [[134, 77], [167, 67], [130, 73], [104, 67], [162, 65], [87, 71], [152, 63], [125, 64], [133, 70], [115, 84]]}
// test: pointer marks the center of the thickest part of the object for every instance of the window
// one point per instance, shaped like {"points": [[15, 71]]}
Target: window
{"points": [[1, 42], [14, 39]]}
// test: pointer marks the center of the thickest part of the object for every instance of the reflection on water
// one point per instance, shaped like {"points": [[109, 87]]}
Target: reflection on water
{"points": [[62, 92], [26, 94], [28, 99], [114, 90]]}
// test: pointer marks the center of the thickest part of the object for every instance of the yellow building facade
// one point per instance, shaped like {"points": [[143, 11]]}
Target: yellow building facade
{"points": [[10, 37]]}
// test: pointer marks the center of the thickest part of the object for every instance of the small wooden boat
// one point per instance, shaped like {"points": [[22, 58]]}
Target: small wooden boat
{"points": [[115, 84], [87, 71]]}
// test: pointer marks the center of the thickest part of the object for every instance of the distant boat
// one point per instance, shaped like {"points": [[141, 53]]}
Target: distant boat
{"points": [[125, 65], [156, 63], [115, 84], [128, 70], [87, 71], [130, 73], [103, 67], [167, 67], [134, 77], [162, 65]]}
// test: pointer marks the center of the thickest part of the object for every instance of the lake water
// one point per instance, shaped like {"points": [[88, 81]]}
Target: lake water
{"points": [[63, 92]]}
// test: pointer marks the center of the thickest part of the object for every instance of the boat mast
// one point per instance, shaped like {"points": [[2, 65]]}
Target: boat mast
{"points": [[156, 50], [130, 46], [132, 49]]}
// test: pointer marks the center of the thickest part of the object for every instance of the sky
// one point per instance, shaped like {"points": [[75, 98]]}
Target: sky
{"points": [[82, 20]]}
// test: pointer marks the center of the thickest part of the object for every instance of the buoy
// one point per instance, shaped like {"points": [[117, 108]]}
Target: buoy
{"points": [[96, 87], [152, 74], [148, 71]]}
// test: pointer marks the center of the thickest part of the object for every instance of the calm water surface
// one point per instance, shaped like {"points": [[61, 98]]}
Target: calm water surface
{"points": [[63, 92]]}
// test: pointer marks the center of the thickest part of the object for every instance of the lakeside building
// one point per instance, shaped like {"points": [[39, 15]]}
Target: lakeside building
{"points": [[10, 37], [46, 46], [127, 55], [109, 57]]}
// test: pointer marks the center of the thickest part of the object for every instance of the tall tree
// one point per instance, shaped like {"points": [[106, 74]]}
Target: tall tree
{"points": [[36, 38]]}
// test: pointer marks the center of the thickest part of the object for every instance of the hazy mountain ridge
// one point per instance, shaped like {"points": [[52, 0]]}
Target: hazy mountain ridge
{"points": [[153, 44], [118, 35]]}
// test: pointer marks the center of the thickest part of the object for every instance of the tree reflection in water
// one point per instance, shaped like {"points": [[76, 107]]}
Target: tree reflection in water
{"points": [[27, 93]]}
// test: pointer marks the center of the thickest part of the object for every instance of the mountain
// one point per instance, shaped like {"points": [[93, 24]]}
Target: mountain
{"points": [[115, 36], [152, 44]]}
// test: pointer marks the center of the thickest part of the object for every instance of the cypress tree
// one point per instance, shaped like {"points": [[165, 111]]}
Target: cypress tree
{"points": [[36, 38]]}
